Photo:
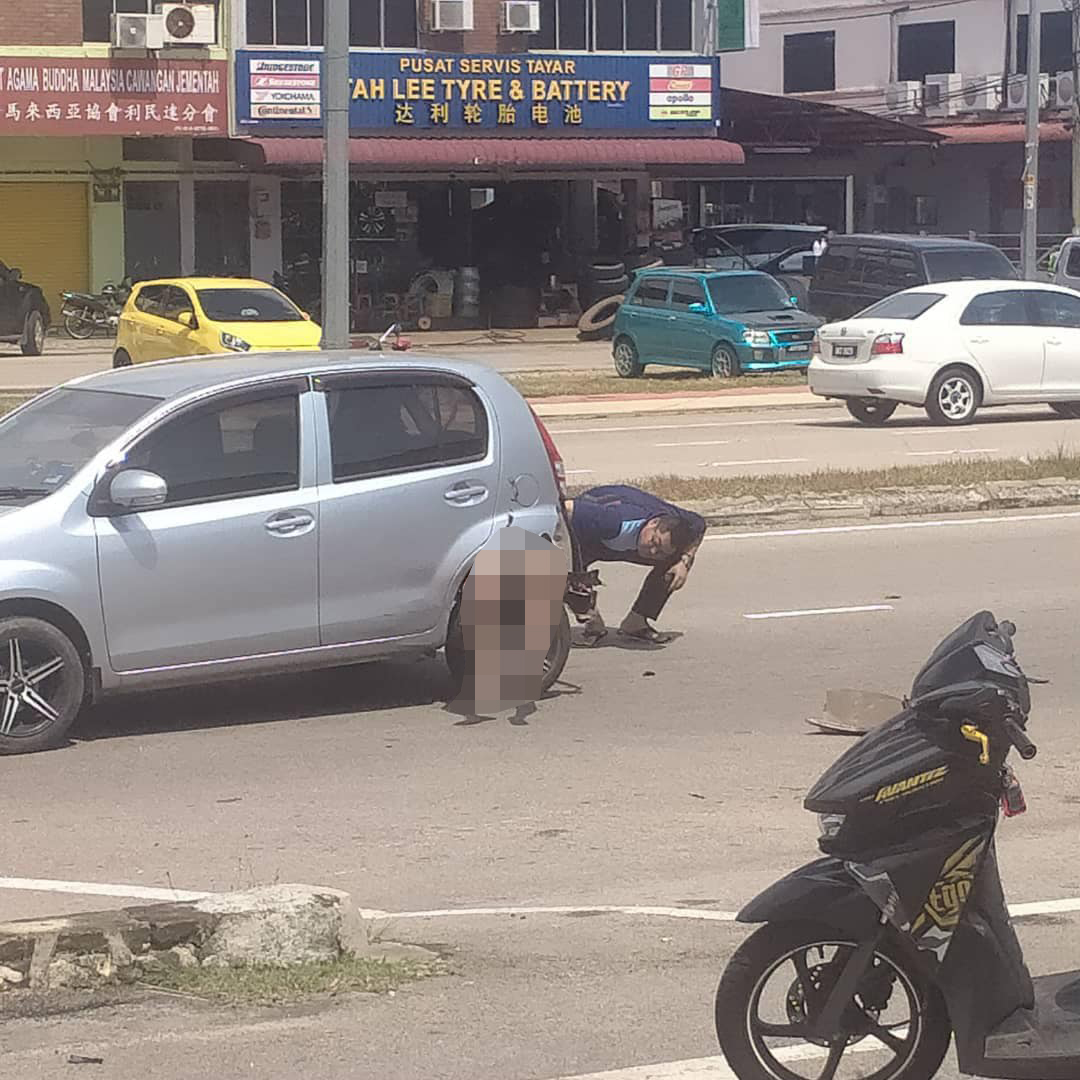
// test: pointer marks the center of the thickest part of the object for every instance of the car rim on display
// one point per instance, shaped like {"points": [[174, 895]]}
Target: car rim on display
{"points": [[956, 398], [874, 1024], [28, 682]]}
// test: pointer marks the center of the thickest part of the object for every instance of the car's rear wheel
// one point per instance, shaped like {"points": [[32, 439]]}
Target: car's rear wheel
{"points": [[121, 358], [1069, 409], [724, 364], [955, 396], [627, 362], [33, 339], [871, 412], [42, 685]]}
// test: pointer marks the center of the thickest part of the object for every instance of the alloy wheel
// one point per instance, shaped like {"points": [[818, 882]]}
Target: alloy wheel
{"points": [[625, 359], [723, 362], [30, 679], [956, 396]]}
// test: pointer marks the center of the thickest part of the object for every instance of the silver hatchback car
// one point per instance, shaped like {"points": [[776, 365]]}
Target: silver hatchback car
{"points": [[200, 519]]}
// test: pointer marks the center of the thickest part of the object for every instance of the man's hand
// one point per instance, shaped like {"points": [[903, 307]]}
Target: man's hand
{"points": [[677, 575]]}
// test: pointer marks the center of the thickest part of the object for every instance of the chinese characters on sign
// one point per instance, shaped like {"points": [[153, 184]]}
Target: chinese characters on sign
{"points": [[415, 92], [90, 96]]}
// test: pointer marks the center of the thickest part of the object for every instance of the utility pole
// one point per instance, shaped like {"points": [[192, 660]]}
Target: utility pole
{"points": [[1029, 241], [335, 191], [1075, 4]]}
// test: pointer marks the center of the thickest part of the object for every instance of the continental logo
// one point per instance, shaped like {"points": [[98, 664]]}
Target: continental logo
{"points": [[903, 788], [947, 898]]}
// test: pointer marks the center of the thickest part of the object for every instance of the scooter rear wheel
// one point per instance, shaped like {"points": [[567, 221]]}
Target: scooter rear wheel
{"points": [[895, 1027], [78, 327]]}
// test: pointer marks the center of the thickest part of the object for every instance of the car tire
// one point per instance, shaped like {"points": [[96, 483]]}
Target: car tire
{"points": [[955, 396], [121, 358], [724, 364], [33, 339], [628, 364], [51, 679], [601, 315], [870, 411], [1070, 410], [75, 326]]}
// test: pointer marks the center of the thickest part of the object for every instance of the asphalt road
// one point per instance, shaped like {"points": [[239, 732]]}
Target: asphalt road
{"points": [[794, 440], [669, 778]]}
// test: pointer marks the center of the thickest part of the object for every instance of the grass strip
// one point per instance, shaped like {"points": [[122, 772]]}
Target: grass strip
{"points": [[542, 384]]}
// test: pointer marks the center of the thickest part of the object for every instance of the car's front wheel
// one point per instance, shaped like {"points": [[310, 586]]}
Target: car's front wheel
{"points": [[955, 396], [871, 412], [33, 339], [42, 685], [627, 362], [724, 364]]}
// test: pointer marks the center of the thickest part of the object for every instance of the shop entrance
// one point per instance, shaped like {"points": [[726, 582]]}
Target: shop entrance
{"points": [[805, 201]]}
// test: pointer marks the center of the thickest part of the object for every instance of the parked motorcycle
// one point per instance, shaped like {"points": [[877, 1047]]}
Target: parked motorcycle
{"points": [[86, 313], [871, 959]]}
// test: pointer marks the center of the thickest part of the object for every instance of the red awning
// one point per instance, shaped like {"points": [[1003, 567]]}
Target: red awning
{"points": [[985, 134], [450, 154]]}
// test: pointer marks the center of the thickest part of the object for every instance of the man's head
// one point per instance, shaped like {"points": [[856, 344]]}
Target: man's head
{"points": [[662, 538]]}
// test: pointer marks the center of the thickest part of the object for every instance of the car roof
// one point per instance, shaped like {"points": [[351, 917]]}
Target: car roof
{"points": [[772, 226], [691, 272], [209, 282], [168, 379], [913, 243]]}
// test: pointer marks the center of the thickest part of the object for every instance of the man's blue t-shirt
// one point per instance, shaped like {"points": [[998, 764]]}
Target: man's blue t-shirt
{"points": [[607, 522]]}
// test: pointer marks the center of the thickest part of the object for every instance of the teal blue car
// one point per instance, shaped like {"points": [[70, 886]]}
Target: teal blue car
{"points": [[725, 322]]}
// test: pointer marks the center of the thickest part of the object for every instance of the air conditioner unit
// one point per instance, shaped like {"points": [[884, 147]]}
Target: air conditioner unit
{"points": [[943, 94], [1064, 92], [189, 24], [451, 15], [137, 32], [904, 98], [520, 16], [981, 94], [1017, 96]]}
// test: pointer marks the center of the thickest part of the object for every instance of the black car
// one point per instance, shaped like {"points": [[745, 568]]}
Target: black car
{"points": [[24, 312], [857, 271]]}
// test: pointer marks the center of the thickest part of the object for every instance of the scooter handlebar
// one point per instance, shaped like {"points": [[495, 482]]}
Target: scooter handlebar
{"points": [[1018, 737]]}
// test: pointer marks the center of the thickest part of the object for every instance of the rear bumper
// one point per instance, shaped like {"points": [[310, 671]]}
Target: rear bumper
{"points": [[876, 379]]}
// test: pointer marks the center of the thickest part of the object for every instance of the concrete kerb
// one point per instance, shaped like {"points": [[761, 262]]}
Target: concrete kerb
{"points": [[278, 926], [761, 511]]}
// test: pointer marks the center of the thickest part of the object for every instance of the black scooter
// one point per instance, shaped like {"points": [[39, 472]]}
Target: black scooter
{"points": [[872, 958]]}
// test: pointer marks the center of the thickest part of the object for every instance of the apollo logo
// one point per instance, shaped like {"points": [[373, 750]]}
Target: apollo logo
{"points": [[912, 784]]}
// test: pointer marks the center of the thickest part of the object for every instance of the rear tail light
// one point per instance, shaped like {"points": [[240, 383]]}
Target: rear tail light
{"points": [[887, 345], [557, 466], [815, 345]]}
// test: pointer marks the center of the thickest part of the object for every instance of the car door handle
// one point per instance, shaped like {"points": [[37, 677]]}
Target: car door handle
{"points": [[289, 523], [1053, 341], [465, 494], [980, 341]]}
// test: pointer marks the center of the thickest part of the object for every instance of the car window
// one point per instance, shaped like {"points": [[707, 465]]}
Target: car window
{"points": [[909, 305], [231, 449], [150, 300], [1058, 309], [175, 301], [652, 292], [1007, 307], [968, 264], [833, 266], [247, 305], [793, 263], [1072, 266], [903, 270], [745, 293], [685, 293], [376, 429], [872, 266]]}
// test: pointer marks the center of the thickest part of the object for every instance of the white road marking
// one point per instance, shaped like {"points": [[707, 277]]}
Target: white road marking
{"points": [[819, 611], [674, 427], [826, 530], [577, 472], [903, 433], [709, 442], [755, 461], [949, 453], [89, 888]]}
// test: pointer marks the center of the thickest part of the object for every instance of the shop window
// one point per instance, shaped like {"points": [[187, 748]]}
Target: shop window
{"points": [[373, 23], [809, 62], [97, 15], [926, 49], [1055, 47], [616, 25]]}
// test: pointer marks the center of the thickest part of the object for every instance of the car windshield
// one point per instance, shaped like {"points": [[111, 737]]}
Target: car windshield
{"points": [[248, 305], [44, 444], [901, 306], [746, 293], [968, 264]]}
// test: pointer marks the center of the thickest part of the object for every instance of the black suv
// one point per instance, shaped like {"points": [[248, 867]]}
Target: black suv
{"points": [[857, 271], [24, 312]]}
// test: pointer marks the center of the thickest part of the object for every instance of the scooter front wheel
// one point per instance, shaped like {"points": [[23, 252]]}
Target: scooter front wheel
{"points": [[895, 1026]]}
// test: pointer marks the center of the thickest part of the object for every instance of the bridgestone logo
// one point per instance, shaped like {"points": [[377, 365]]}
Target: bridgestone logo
{"points": [[913, 783]]}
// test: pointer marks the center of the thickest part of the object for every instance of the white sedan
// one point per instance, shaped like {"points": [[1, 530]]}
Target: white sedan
{"points": [[953, 348]]}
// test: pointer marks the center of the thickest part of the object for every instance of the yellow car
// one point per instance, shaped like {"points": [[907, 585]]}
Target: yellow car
{"points": [[199, 316]]}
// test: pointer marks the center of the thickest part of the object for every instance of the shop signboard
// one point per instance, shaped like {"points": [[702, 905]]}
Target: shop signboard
{"points": [[531, 93], [103, 96]]}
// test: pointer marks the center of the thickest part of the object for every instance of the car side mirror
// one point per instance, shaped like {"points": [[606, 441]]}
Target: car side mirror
{"points": [[698, 309], [133, 490], [793, 301], [187, 318]]}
